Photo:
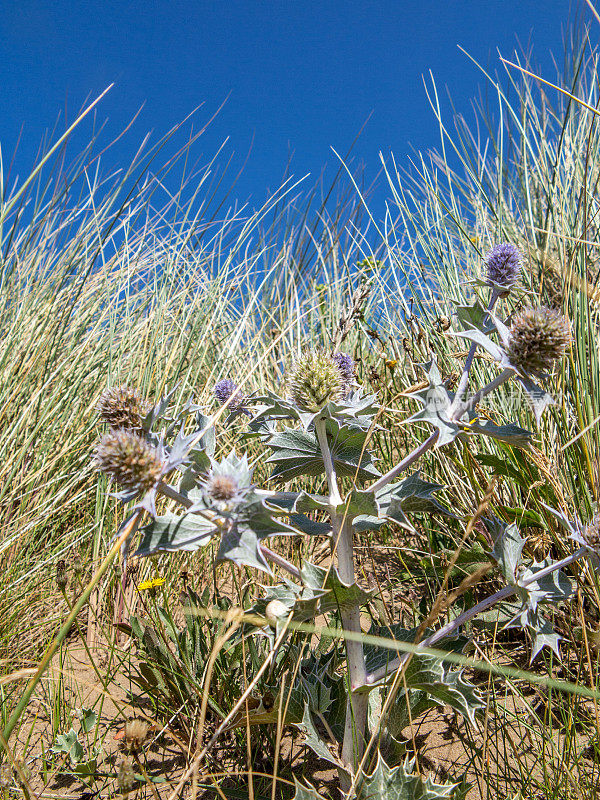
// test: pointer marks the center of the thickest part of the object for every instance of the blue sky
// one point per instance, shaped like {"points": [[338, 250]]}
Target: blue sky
{"points": [[300, 76]]}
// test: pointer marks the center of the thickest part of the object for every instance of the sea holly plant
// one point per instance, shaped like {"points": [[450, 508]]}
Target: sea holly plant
{"points": [[319, 422]]}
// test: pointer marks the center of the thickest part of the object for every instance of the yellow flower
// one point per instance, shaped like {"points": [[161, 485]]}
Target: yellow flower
{"points": [[391, 363], [151, 584]]}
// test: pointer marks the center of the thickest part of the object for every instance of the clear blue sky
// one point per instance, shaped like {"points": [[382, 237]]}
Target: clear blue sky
{"points": [[300, 75]]}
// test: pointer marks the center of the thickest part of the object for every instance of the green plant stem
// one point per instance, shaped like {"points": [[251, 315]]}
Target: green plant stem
{"points": [[128, 530], [355, 726]]}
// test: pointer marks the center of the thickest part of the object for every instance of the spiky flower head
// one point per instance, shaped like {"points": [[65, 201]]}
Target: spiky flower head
{"points": [[129, 459], [222, 487], [316, 379], [591, 534], [345, 365], [503, 264], [122, 407], [226, 389], [538, 337]]}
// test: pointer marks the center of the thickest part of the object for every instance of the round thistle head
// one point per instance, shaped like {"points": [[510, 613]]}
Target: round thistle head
{"points": [[538, 337], [503, 264], [129, 459], [122, 407], [345, 365], [226, 389], [316, 379], [591, 534], [222, 487]]}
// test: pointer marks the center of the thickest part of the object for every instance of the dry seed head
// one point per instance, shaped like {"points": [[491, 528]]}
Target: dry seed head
{"points": [[538, 337], [592, 533], [136, 731], [125, 777], [122, 407], [128, 458], [316, 379], [61, 574], [221, 487]]}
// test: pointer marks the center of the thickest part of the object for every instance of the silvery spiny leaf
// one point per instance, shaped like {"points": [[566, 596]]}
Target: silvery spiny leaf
{"points": [[304, 791], [271, 407], [552, 588], [339, 595], [511, 433], [400, 783], [208, 442], [584, 535], [508, 547], [297, 452], [436, 400], [543, 635], [199, 456], [356, 407], [158, 411], [69, 745], [309, 502], [539, 398], [472, 316], [304, 524], [312, 738], [424, 672], [252, 521], [412, 495], [356, 503], [170, 532]]}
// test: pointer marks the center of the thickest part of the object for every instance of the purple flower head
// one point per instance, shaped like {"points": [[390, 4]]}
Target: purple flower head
{"points": [[503, 264], [345, 364], [224, 390]]}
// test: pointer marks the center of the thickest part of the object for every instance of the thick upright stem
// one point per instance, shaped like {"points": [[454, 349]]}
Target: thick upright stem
{"points": [[355, 728], [356, 709]]}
